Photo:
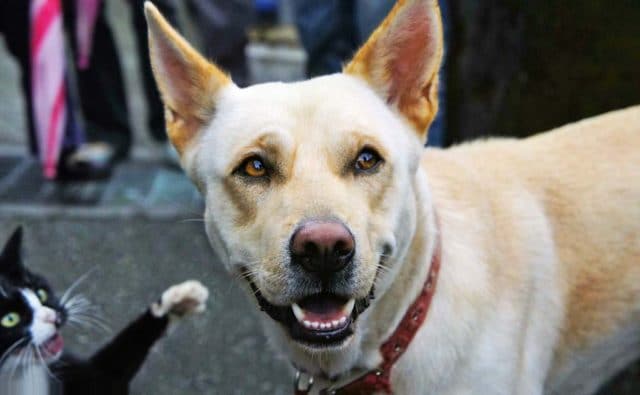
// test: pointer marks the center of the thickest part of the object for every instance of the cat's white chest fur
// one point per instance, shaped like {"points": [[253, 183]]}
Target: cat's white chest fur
{"points": [[32, 380]]}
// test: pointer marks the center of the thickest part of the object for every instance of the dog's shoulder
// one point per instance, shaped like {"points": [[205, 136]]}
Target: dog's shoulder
{"points": [[581, 180]]}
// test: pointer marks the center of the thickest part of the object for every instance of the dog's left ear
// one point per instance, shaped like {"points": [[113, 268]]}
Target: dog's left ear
{"points": [[188, 83], [401, 60]]}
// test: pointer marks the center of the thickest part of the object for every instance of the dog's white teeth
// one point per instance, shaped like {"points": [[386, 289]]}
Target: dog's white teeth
{"points": [[298, 312], [304, 320], [324, 325], [348, 308]]}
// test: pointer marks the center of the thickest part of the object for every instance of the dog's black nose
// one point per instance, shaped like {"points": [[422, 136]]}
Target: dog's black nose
{"points": [[322, 246]]}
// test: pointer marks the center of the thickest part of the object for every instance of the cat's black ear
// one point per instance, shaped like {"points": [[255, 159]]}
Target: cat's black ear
{"points": [[11, 259]]}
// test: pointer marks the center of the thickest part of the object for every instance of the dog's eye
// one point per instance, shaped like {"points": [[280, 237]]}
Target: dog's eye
{"points": [[367, 160], [253, 167]]}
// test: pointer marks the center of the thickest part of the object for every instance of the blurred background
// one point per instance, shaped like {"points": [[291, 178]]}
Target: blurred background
{"points": [[100, 189]]}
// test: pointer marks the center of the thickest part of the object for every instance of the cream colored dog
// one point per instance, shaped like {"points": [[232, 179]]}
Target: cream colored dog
{"points": [[321, 196]]}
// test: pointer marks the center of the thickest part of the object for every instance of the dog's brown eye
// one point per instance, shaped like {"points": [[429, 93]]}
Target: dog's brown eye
{"points": [[254, 167], [367, 160]]}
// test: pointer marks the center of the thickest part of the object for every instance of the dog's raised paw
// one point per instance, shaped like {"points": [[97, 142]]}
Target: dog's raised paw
{"points": [[181, 299]]}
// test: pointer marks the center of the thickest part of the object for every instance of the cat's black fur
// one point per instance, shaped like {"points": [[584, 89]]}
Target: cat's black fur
{"points": [[109, 370]]}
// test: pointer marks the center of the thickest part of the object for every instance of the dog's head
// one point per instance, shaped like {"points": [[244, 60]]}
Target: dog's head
{"points": [[308, 185]]}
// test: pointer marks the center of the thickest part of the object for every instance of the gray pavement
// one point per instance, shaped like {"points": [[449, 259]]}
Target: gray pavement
{"points": [[133, 261]]}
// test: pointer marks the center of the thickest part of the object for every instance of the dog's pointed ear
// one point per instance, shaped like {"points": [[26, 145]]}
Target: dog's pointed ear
{"points": [[187, 82], [401, 60]]}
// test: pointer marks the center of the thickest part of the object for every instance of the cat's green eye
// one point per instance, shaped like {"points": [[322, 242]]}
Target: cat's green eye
{"points": [[42, 295], [10, 320]]}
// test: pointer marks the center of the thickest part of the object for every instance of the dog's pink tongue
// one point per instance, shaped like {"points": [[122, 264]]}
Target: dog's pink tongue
{"points": [[323, 308]]}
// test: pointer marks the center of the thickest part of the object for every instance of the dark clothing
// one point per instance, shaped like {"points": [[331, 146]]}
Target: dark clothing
{"points": [[101, 85], [222, 26], [332, 30], [155, 108], [14, 26]]}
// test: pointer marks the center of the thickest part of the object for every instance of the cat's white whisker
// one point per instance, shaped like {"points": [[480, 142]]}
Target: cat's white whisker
{"points": [[30, 366], [43, 361], [12, 348], [77, 303], [20, 360], [84, 313], [75, 284], [89, 321]]}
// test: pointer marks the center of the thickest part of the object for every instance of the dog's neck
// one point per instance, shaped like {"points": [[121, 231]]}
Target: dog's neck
{"points": [[413, 267], [410, 268]]}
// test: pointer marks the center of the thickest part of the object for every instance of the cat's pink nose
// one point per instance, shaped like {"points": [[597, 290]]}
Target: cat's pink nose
{"points": [[48, 316]]}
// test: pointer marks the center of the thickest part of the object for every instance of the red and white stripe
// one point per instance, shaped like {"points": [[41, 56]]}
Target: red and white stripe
{"points": [[48, 80], [86, 16]]}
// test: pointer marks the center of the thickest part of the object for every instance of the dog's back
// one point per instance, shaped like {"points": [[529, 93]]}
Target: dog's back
{"points": [[580, 185]]}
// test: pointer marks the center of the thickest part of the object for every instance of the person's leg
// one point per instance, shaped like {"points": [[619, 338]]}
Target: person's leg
{"points": [[14, 25], [327, 33], [155, 109], [369, 14], [438, 129], [101, 86], [222, 26]]}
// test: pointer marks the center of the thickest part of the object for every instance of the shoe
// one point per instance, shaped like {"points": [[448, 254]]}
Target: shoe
{"points": [[89, 162]]}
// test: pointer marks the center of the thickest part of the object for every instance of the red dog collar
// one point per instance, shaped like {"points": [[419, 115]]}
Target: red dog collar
{"points": [[379, 380]]}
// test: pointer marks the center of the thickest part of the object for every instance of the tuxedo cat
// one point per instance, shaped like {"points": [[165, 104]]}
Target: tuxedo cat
{"points": [[32, 357]]}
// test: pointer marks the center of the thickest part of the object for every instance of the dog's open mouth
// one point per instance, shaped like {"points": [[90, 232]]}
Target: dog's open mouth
{"points": [[319, 320], [324, 318]]}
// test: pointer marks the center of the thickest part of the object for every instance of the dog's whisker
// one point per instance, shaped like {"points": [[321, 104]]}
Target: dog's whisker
{"points": [[383, 269], [192, 220]]}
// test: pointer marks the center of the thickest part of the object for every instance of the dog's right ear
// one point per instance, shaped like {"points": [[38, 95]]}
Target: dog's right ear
{"points": [[188, 83], [401, 59]]}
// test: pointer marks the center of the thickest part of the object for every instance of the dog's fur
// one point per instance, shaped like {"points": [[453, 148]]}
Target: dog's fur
{"points": [[540, 284]]}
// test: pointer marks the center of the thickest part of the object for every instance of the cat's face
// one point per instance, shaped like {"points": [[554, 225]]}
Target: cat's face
{"points": [[30, 314]]}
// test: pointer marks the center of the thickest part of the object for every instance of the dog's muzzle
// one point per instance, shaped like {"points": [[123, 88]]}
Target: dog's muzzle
{"points": [[322, 257]]}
